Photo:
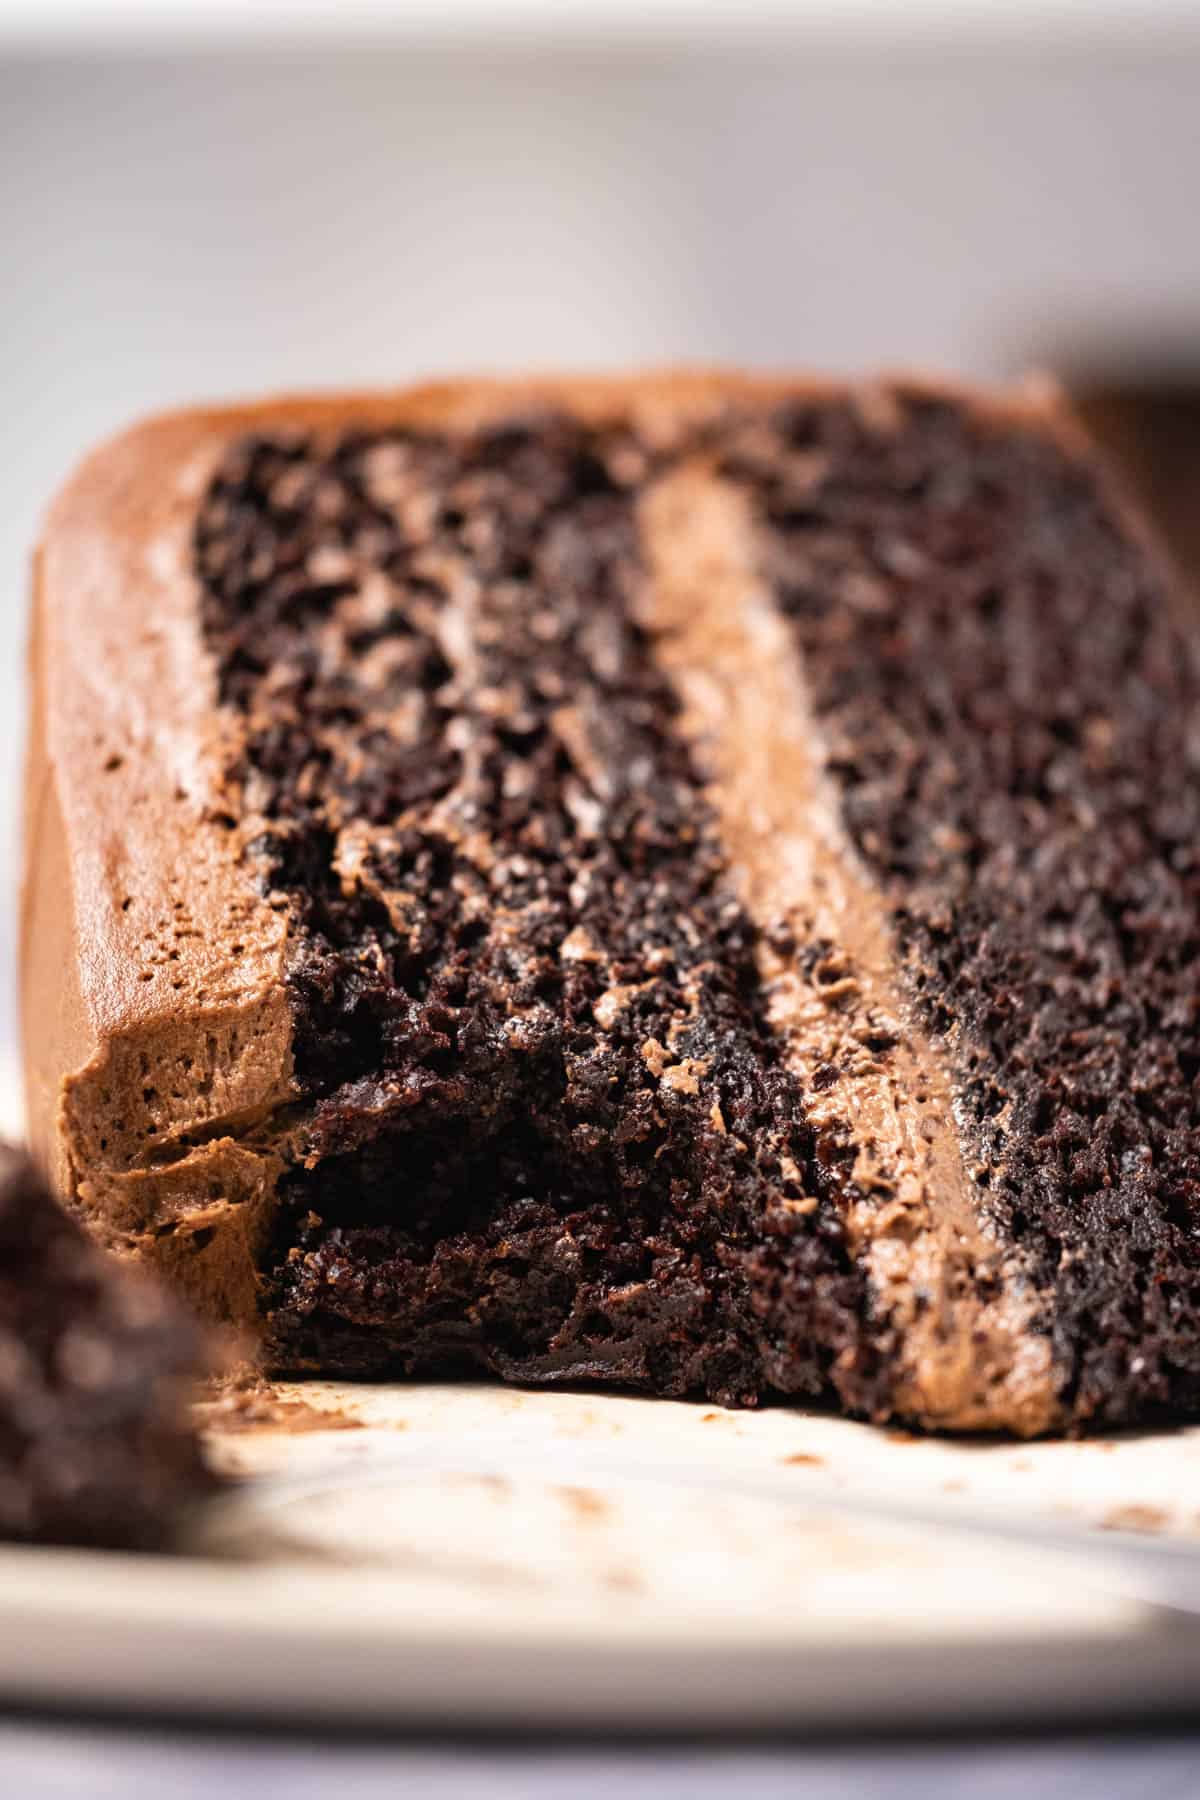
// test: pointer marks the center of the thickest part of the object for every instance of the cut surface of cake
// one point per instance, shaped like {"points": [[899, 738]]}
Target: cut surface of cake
{"points": [[687, 882], [96, 1363]]}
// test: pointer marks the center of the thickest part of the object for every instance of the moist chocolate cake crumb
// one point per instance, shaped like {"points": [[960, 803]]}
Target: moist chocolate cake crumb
{"points": [[547, 1124], [96, 1364], [1012, 708]]}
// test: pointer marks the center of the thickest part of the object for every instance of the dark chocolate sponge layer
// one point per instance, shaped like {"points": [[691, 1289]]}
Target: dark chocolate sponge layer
{"points": [[1013, 712], [96, 1447], [548, 1127]]}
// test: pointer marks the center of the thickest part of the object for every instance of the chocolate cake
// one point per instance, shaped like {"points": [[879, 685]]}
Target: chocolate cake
{"points": [[689, 882], [96, 1446]]}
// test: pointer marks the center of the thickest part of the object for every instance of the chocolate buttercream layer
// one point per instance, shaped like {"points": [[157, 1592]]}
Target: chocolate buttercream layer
{"points": [[657, 818], [958, 1304]]}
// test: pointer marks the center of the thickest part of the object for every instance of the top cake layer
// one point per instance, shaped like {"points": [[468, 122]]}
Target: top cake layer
{"points": [[684, 881]]}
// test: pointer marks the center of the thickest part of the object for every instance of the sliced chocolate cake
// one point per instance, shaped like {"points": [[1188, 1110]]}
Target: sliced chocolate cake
{"points": [[691, 883], [96, 1446]]}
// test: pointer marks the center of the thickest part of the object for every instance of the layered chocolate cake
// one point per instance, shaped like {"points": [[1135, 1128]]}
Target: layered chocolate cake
{"points": [[691, 883], [96, 1446]]}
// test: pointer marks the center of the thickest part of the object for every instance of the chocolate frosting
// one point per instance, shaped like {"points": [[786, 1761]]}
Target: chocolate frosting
{"points": [[915, 1217]]}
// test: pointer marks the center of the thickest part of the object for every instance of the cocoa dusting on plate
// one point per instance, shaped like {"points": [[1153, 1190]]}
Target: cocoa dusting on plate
{"points": [[1136, 1518], [247, 1401]]}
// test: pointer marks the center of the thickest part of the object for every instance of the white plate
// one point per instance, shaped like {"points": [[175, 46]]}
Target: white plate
{"points": [[478, 1556]]}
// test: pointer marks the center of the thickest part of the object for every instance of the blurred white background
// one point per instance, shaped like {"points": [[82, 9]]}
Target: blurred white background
{"points": [[203, 201]]}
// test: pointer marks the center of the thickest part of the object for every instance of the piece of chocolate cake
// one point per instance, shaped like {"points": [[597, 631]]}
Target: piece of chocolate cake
{"points": [[691, 883], [96, 1365]]}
